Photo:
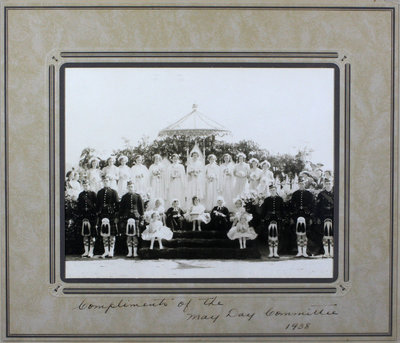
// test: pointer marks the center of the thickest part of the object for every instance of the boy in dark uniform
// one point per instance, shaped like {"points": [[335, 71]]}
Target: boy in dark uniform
{"points": [[131, 212], [107, 205], [324, 214], [301, 208], [272, 212], [86, 210]]}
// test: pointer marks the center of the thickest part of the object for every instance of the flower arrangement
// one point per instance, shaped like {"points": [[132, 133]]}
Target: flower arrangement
{"points": [[139, 176], [241, 173], [211, 177], [227, 172], [195, 172], [157, 172]]}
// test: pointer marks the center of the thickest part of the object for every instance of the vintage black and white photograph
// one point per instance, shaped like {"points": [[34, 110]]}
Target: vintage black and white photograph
{"points": [[199, 172]]}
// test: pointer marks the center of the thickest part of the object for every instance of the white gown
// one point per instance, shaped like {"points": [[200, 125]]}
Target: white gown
{"points": [[176, 183], [157, 175], [254, 178], [195, 180], [156, 229], [113, 173], [227, 184], [241, 172], [124, 177], [212, 185], [73, 189], [94, 178], [140, 177]]}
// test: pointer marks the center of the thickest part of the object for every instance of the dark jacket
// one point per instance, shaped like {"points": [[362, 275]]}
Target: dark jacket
{"points": [[131, 206], [107, 202]]}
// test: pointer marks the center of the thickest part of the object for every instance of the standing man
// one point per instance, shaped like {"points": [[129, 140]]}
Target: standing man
{"points": [[86, 210], [131, 212], [324, 214], [272, 212], [301, 207], [107, 206]]}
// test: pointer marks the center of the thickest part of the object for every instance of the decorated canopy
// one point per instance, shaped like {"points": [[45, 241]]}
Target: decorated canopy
{"points": [[195, 124]]}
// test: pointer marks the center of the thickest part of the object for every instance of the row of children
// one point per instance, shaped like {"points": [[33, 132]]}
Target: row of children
{"points": [[128, 216]]}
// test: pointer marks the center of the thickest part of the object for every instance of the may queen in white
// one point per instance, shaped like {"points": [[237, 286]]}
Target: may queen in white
{"points": [[157, 173], [212, 182], [227, 181], [140, 176], [176, 181], [241, 172], [124, 175], [195, 174]]}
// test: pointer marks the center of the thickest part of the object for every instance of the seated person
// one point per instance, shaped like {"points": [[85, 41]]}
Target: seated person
{"points": [[174, 216], [220, 218]]}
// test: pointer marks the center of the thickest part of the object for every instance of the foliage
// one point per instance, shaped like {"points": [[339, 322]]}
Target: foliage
{"points": [[281, 165]]}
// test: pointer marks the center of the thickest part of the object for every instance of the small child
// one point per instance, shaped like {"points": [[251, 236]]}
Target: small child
{"points": [[175, 216], [238, 211], [156, 230], [197, 215], [242, 230], [220, 216]]}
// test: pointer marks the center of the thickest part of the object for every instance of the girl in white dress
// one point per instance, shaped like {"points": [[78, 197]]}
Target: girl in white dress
{"points": [[157, 206], [238, 211], [242, 231], [94, 175], [176, 181], [140, 176], [124, 175], [157, 172], [227, 181], [266, 173], [73, 187], [156, 230], [195, 174], [212, 182], [254, 174], [241, 172], [111, 171], [197, 215]]}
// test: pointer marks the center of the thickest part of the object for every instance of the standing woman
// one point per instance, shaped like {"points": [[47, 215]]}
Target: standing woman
{"points": [[195, 175], [254, 174], [241, 172], [212, 182], [112, 172], [267, 175], [227, 181], [124, 175], [94, 175], [176, 181], [140, 176], [157, 178]]}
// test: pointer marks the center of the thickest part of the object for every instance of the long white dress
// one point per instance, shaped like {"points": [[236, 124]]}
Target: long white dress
{"points": [[176, 183], [113, 173], [212, 185], [195, 180], [124, 177], [157, 172], [254, 178], [227, 184], [241, 172], [268, 175], [140, 176], [94, 178]]}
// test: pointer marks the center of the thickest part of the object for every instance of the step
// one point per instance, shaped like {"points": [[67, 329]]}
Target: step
{"points": [[200, 234], [198, 243], [199, 253]]}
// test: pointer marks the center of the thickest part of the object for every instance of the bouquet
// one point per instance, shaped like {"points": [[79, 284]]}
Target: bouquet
{"points": [[241, 173], [211, 177], [227, 172], [175, 174], [139, 176], [157, 172], [253, 177]]}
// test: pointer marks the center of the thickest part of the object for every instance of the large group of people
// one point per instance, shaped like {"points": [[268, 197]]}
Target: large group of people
{"points": [[130, 201]]}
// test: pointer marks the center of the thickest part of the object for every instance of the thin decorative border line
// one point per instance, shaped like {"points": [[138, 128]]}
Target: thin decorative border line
{"points": [[206, 64], [148, 291], [239, 54], [346, 252], [52, 169], [205, 7]]}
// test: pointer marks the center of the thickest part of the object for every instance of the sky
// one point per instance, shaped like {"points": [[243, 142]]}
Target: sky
{"points": [[281, 109]]}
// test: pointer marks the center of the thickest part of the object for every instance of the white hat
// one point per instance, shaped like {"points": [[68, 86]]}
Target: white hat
{"points": [[123, 157], [253, 159]]}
